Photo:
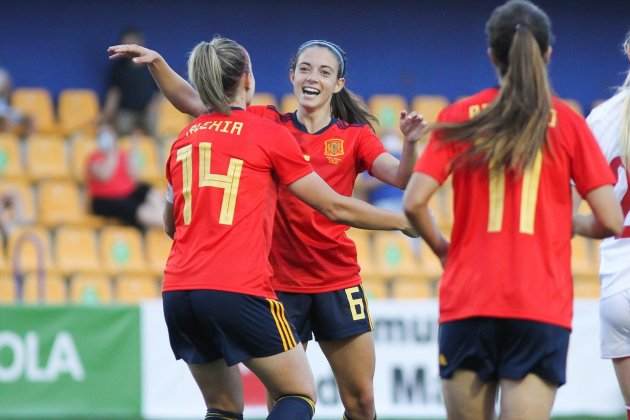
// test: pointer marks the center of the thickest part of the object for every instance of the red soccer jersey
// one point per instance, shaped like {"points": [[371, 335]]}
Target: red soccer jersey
{"points": [[311, 254], [225, 171], [120, 185], [510, 254]]}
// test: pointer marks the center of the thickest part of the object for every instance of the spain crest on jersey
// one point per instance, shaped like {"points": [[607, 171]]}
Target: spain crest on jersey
{"points": [[333, 150]]}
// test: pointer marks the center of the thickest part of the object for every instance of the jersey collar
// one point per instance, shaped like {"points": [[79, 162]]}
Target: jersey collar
{"points": [[301, 126]]}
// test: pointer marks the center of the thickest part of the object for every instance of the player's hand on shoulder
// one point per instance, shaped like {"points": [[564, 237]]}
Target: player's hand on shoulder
{"points": [[412, 125], [138, 54]]}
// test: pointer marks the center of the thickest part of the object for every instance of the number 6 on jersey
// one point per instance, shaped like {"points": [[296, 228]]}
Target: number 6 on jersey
{"points": [[228, 183]]}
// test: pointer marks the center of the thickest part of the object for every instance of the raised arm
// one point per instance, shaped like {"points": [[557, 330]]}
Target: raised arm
{"points": [[389, 169], [174, 87], [347, 210], [606, 219], [416, 204]]}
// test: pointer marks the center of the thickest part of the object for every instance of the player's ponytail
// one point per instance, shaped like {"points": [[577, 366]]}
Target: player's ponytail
{"points": [[345, 105], [513, 129], [348, 107], [215, 69], [624, 138]]}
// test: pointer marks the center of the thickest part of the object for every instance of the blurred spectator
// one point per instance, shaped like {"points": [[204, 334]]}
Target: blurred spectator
{"points": [[113, 186], [379, 193], [11, 214], [132, 96], [10, 119]]}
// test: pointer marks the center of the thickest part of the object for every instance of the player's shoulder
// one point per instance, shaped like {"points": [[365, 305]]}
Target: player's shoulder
{"points": [[270, 112], [609, 109]]}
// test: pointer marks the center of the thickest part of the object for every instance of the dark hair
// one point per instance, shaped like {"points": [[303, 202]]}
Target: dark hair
{"points": [[513, 129], [215, 69], [345, 105]]}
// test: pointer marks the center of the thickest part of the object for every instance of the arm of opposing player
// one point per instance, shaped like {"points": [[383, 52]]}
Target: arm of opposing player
{"points": [[607, 218], [174, 87]]}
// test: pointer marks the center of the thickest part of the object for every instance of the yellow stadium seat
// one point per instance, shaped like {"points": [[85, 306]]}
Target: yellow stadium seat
{"points": [[121, 250], [31, 245], [158, 246], [76, 250], [53, 289], [429, 106], [78, 111], [7, 291], [46, 158], [133, 289], [588, 288], [362, 240], [170, 121], [412, 289], [80, 150], [11, 166], [584, 257], [144, 150], [386, 108], [575, 105], [375, 289], [394, 256], [90, 289], [289, 103], [264, 99], [60, 203], [37, 104], [429, 264], [24, 192]]}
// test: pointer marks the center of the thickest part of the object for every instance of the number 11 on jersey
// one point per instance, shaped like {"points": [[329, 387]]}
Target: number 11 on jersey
{"points": [[228, 183]]}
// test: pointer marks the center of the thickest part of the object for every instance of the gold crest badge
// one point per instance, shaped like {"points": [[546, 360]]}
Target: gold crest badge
{"points": [[333, 150]]}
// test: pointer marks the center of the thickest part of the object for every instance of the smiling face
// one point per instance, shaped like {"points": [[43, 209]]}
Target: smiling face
{"points": [[315, 77]]}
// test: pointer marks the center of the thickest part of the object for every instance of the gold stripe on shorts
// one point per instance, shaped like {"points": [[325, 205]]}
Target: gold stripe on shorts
{"points": [[283, 319], [275, 318], [367, 309]]}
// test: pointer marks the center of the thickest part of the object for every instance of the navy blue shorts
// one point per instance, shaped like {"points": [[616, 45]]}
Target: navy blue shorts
{"points": [[329, 316], [497, 348], [206, 325]]}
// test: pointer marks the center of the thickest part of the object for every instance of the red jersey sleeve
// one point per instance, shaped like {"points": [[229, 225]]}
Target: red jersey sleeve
{"points": [[268, 112], [288, 161], [369, 147], [589, 168], [436, 159]]}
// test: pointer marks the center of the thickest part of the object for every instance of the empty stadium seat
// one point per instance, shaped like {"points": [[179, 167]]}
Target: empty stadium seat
{"points": [[80, 150], [53, 289], [158, 246], [264, 99], [121, 250], [289, 103], [584, 257], [412, 289], [33, 246], [78, 111], [37, 104], [11, 166], [134, 288], [386, 108], [90, 289], [149, 169], [394, 256], [361, 239], [24, 192], [169, 120], [375, 289], [7, 291], [59, 203], [76, 250], [46, 158], [429, 106]]}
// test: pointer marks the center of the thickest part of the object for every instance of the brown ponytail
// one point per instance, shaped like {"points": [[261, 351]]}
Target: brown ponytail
{"points": [[513, 129]]}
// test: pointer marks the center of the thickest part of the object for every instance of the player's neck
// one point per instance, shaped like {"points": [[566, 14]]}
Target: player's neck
{"points": [[239, 101], [314, 120]]}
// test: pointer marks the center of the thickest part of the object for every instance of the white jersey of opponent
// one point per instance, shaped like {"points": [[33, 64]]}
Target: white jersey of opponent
{"points": [[605, 121]]}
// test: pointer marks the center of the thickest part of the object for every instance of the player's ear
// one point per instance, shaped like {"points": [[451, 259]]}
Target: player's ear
{"points": [[340, 84]]}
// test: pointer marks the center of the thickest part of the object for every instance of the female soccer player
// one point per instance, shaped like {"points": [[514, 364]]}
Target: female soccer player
{"points": [[315, 266], [506, 293], [223, 172], [610, 123]]}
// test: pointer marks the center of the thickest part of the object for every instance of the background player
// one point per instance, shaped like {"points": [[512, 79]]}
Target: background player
{"points": [[610, 123], [220, 308], [315, 266], [506, 293]]}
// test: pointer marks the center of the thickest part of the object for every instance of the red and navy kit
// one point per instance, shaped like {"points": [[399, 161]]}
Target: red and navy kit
{"points": [[510, 254], [311, 254], [121, 183], [225, 172]]}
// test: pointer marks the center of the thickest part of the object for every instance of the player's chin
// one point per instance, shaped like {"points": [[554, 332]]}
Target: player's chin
{"points": [[310, 101]]}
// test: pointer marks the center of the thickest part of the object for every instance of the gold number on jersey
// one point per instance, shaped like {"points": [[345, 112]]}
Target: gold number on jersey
{"points": [[228, 183], [356, 304], [529, 197]]}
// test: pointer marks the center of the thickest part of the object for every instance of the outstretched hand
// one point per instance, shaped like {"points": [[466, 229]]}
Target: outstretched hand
{"points": [[412, 125], [138, 54]]}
